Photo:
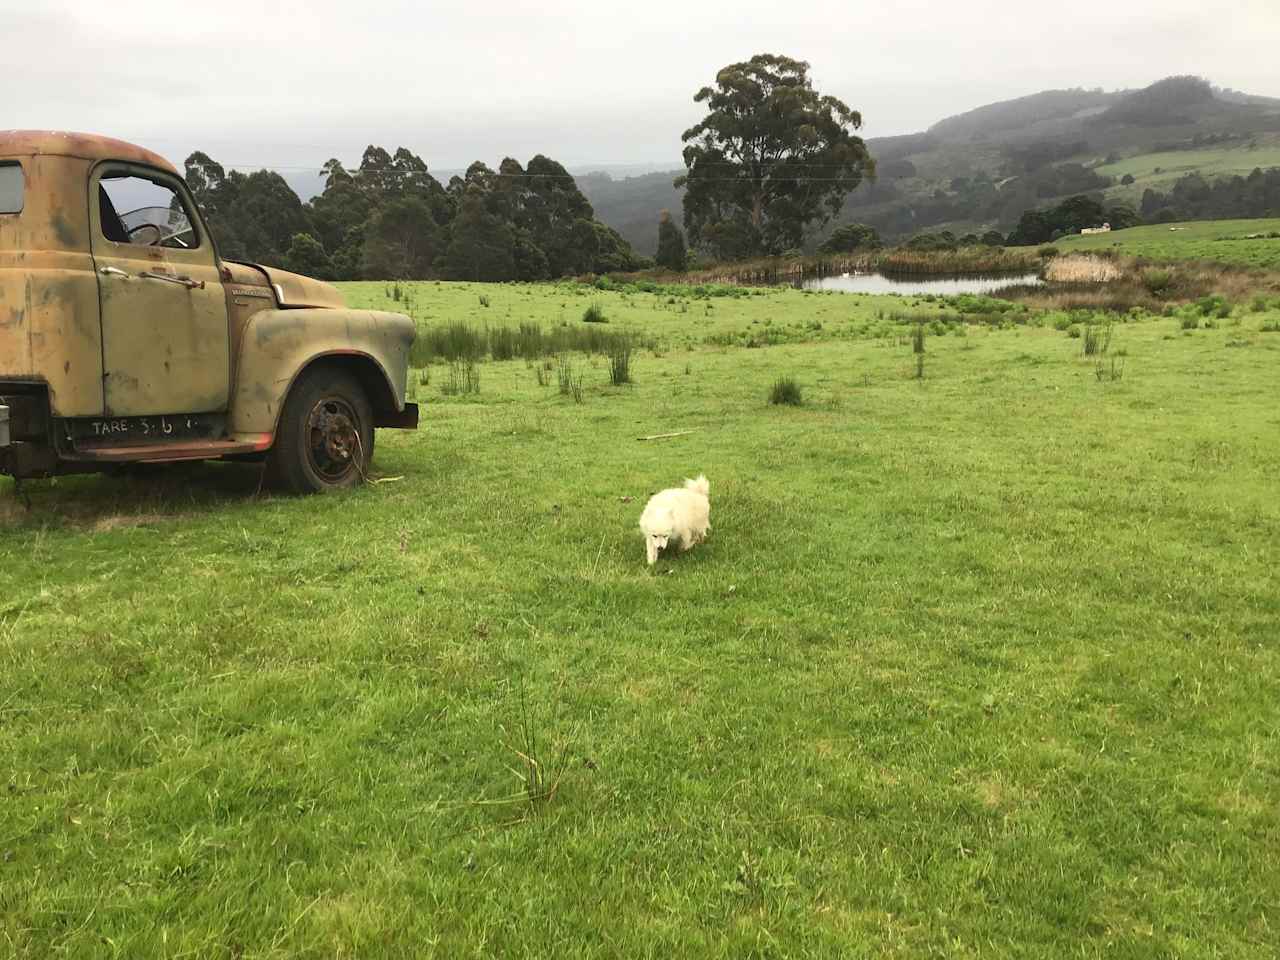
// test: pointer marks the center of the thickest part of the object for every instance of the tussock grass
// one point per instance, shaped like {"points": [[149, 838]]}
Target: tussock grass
{"points": [[542, 762], [454, 341], [1157, 281], [620, 361], [1113, 372], [785, 391], [568, 378], [463, 379], [1096, 339], [528, 341]]}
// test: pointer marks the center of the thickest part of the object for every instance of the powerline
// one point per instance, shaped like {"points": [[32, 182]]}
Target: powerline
{"points": [[353, 171], [570, 177]]}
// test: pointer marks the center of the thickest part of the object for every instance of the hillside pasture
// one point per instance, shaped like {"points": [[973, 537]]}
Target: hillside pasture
{"points": [[976, 662], [1158, 171], [1221, 240]]}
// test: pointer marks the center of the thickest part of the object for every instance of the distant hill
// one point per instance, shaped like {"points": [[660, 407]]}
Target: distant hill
{"points": [[634, 204], [1025, 116], [981, 169]]}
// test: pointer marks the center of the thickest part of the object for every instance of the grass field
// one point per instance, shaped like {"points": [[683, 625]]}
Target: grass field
{"points": [[1221, 240], [1159, 170], [983, 664]]}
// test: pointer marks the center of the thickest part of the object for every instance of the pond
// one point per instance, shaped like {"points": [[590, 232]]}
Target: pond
{"points": [[914, 286]]}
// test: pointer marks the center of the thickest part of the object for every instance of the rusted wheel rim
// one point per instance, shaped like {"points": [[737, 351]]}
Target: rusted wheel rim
{"points": [[333, 440]]}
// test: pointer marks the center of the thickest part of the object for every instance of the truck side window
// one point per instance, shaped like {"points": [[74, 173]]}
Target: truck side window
{"points": [[10, 188], [144, 212]]}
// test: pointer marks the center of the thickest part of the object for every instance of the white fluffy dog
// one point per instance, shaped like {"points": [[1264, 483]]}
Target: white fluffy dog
{"points": [[680, 514]]}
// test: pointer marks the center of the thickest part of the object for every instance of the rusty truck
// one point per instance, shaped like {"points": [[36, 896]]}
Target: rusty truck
{"points": [[126, 338]]}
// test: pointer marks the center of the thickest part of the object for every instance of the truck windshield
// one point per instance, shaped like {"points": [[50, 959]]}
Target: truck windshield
{"points": [[10, 188]]}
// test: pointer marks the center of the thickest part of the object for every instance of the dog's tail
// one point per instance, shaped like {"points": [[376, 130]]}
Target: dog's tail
{"points": [[701, 485]]}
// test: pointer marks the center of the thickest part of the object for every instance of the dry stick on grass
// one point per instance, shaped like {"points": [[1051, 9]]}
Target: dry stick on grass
{"points": [[664, 436], [364, 477], [595, 566]]}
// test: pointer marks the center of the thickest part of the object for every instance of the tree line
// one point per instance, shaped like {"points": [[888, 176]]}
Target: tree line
{"points": [[389, 218], [772, 158], [1070, 216], [1192, 197]]}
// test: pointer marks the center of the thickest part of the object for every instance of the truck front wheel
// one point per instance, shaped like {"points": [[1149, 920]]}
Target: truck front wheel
{"points": [[325, 438]]}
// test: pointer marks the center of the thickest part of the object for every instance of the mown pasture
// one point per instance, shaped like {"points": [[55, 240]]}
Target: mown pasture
{"points": [[980, 662]]}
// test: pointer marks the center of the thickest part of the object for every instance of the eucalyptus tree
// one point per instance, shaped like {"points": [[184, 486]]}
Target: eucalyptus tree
{"points": [[772, 159]]}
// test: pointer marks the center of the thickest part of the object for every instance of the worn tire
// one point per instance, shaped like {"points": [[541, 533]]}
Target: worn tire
{"points": [[325, 437]]}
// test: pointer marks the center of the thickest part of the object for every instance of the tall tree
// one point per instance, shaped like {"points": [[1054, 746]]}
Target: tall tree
{"points": [[340, 214], [306, 256], [265, 214], [611, 252], [208, 182], [671, 249], [214, 194], [252, 216], [558, 216], [772, 158], [481, 244], [401, 241]]}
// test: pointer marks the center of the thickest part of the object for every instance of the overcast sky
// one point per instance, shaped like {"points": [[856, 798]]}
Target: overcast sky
{"points": [[289, 85]]}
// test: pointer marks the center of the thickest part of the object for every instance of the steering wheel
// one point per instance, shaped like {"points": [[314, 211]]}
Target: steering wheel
{"points": [[145, 234]]}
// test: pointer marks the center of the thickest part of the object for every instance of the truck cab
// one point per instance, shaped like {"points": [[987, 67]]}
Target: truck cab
{"points": [[124, 337]]}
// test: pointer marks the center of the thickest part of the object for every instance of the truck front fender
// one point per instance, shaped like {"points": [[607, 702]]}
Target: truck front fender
{"points": [[277, 345]]}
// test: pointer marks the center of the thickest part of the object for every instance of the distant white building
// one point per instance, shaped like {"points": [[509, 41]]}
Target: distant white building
{"points": [[1105, 228]]}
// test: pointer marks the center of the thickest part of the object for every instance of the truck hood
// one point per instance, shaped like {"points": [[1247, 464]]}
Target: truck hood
{"points": [[294, 290]]}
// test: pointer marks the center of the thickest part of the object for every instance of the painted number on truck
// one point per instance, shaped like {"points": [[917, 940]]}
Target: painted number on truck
{"points": [[162, 426], [157, 429], [144, 426]]}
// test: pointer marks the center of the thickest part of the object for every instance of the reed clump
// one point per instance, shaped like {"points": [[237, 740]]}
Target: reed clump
{"points": [[1082, 269], [958, 262], [527, 341]]}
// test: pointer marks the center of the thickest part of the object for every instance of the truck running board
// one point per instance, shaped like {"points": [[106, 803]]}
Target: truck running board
{"points": [[165, 452]]}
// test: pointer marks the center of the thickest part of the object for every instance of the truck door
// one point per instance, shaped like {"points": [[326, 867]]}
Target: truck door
{"points": [[165, 346]]}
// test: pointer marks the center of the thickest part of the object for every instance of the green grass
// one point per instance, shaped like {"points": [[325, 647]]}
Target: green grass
{"points": [[978, 665], [668, 317], [1212, 162], [1221, 240]]}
